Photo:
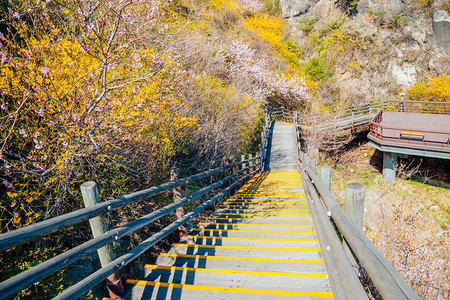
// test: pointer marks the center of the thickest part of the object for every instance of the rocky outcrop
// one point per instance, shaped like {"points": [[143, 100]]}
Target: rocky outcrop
{"points": [[441, 30], [297, 9], [405, 74]]}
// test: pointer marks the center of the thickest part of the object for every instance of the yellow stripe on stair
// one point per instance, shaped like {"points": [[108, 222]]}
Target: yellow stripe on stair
{"points": [[289, 260], [256, 230], [253, 239], [249, 247], [231, 290], [259, 219], [260, 214], [262, 209], [269, 225], [243, 272]]}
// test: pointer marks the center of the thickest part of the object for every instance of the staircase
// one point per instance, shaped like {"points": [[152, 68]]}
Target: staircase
{"points": [[260, 244]]}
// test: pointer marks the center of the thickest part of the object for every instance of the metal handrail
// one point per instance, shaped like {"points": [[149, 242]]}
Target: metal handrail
{"points": [[13, 285], [34, 231], [419, 102]]}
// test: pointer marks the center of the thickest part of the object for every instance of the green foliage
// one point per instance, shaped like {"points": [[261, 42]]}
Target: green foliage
{"points": [[348, 6], [316, 69], [306, 25], [398, 21], [272, 7]]}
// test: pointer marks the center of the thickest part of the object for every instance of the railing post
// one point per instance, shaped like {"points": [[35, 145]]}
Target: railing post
{"points": [[98, 226], [401, 103], [243, 166], [325, 176], [353, 115], [312, 165], [250, 156], [354, 207], [212, 178], [177, 195]]}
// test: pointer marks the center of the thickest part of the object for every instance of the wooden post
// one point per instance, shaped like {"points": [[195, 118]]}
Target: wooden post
{"points": [[306, 159], [354, 207], [354, 202], [312, 165], [229, 161], [177, 195], [98, 226], [212, 178], [325, 176], [235, 169], [250, 156], [243, 166], [353, 115]]}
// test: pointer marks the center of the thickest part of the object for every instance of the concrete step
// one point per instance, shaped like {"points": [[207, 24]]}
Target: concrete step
{"points": [[261, 219], [258, 215], [256, 242], [242, 263], [260, 210], [237, 278], [261, 234], [305, 225], [162, 291], [247, 251]]}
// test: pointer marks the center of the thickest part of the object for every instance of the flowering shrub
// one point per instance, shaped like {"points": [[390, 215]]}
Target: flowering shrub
{"points": [[436, 88], [417, 250], [278, 86]]}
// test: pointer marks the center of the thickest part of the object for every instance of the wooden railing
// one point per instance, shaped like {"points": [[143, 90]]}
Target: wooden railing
{"points": [[346, 284], [423, 107], [343, 118], [20, 236], [434, 140]]}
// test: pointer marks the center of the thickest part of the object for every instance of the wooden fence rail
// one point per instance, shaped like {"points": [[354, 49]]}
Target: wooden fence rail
{"points": [[20, 236], [383, 275]]}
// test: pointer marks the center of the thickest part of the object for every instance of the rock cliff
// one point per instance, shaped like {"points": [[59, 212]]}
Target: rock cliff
{"points": [[416, 37]]}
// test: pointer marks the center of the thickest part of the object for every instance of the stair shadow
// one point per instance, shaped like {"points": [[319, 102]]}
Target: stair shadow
{"points": [[206, 238]]}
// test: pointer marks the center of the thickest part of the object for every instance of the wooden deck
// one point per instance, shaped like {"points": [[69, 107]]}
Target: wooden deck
{"points": [[427, 132], [260, 244]]}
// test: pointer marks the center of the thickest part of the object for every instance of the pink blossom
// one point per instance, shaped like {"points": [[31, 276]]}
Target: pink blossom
{"points": [[29, 54], [36, 134], [16, 15], [39, 146], [45, 70], [7, 184], [65, 144], [40, 112]]}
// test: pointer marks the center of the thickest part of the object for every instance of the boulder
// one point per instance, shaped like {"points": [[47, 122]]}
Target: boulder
{"points": [[322, 9], [441, 30], [293, 8], [404, 74]]}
